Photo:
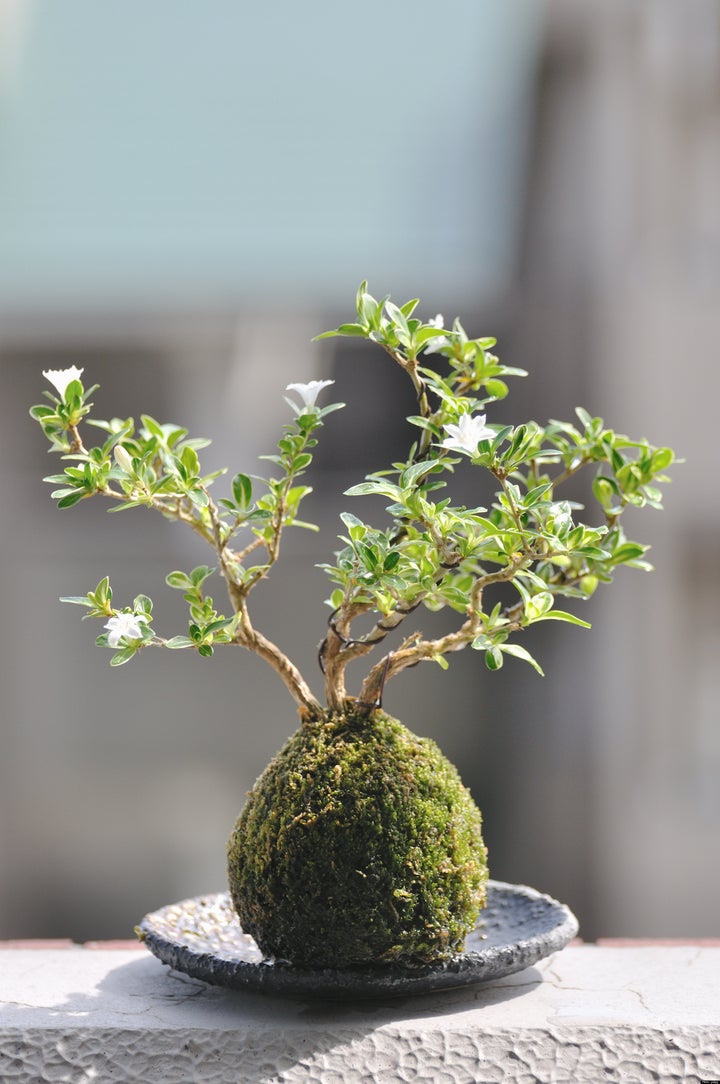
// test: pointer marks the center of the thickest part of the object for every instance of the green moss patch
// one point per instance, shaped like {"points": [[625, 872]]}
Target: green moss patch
{"points": [[358, 844]]}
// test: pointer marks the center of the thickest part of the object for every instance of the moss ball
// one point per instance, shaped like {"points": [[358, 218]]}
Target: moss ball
{"points": [[358, 844]]}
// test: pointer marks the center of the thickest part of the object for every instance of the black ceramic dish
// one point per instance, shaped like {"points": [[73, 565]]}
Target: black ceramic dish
{"points": [[202, 938]]}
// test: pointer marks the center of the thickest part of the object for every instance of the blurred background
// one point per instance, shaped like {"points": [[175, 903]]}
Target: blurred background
{"points": [[188, 193]]}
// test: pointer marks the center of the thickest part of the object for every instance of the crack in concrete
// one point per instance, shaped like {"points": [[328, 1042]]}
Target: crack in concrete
{"points": [[557, 982], [641, 998]]}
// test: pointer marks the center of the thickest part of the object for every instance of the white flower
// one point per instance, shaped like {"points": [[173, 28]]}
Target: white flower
{"points": [[309, 392], [123, 627], [60, 378], [437, 321], [465, 436], [123, 459]]}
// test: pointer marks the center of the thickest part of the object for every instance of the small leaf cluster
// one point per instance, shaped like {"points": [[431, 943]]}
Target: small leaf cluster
{"points": [[60, 420], [207, 627], [99, 604], [441, 553], [156, 465], [473, 368]]}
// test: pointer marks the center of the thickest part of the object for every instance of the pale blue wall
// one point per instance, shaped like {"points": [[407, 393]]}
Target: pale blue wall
{"points": [[214, 149]]}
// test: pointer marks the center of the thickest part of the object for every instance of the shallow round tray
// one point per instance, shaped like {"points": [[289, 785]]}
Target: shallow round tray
{"points": [[202, 937]]}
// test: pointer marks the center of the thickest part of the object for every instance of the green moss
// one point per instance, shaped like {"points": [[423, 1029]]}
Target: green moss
{"points": [[358, 844]]}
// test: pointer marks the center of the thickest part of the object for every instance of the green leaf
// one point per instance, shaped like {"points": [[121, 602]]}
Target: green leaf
{"points": [[179, 580], [588, 584], [153, 427], [221, 623], [391, 561], [200, 574], [605, 490], [522, 653], [190, 461], [361, 291], [71, 498], [362, 489], [397, 317], [413, 473], [352, 329], [178, 642], [143, 604], [127, 504], [537, 493], [538, 606], [369, 556], [103, 591], [385, 489], [561, 615], [199, 498], [40, 412], [497, 388], [426, 333], [493, 658], [353, 524], [242, 490], [584, 417], [205, 650], [344, 329], [78, 600], [122, 657], [629, 551], [662, 458], [501, 435]]}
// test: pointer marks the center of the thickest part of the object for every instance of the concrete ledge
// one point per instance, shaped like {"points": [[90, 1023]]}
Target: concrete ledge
{"points": [[589, 1014]]}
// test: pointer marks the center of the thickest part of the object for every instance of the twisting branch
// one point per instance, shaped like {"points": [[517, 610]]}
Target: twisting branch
{"points": [[406, 656], [346, 649], [330, 652]]}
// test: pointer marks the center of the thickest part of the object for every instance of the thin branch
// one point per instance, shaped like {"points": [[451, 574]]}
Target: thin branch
{"points": [[77, 446], [250, 638], [240, 555], [428, 649], [570, 471], [410, 366], [176, 510]]}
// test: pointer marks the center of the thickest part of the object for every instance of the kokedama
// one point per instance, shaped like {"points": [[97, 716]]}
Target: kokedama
{"points": [[359, 843]]}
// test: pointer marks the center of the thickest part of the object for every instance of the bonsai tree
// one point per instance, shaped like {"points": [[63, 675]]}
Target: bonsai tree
{"points": [[359, 842]]}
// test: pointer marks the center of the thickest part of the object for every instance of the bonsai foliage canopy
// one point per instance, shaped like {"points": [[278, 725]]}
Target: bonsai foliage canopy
{"points": [[430, 551]]}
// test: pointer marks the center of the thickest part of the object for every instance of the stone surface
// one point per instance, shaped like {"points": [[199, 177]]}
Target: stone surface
{"points": [[588, 1014], [202, 938]]}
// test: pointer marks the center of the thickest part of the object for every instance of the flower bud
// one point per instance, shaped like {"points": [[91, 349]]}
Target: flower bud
{"points": [[123, 459]]}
